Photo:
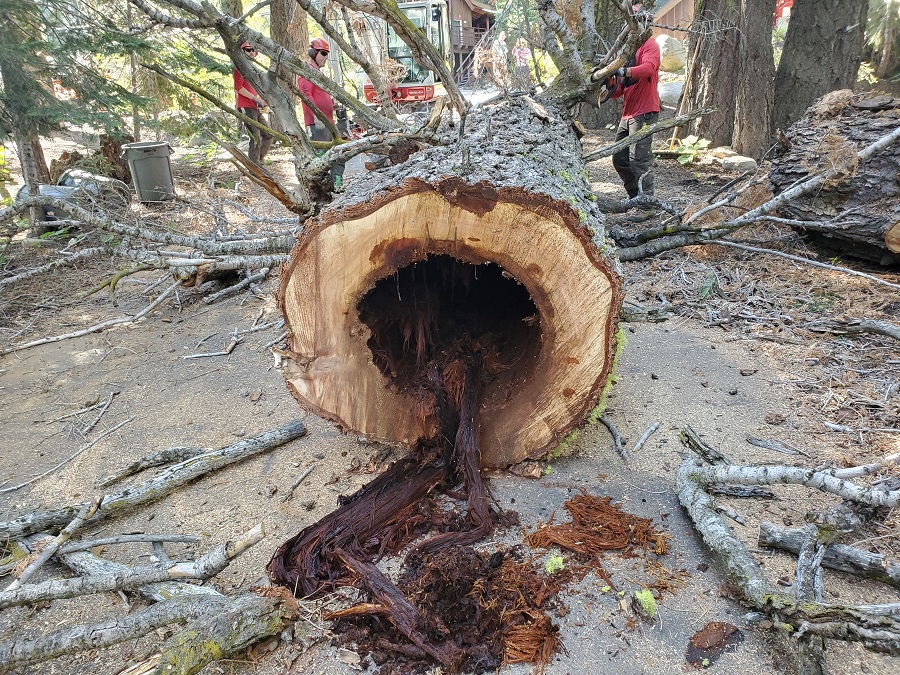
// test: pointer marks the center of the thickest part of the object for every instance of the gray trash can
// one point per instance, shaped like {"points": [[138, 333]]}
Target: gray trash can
{"points": [[150, 170]]}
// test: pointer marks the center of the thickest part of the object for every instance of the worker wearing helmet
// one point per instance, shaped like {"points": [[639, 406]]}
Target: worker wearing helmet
{"points": [[318, 55], [637, 84], [249, 103]]}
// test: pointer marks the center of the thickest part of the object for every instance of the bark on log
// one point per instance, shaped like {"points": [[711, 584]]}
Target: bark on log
{"points": [[505, 218], [830, 133]]}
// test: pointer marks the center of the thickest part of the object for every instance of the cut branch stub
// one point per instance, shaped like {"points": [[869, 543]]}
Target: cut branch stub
{"points": [[383, 281]]}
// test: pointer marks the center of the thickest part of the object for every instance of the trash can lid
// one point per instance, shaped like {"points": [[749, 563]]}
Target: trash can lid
{"points": [[145, 145]]}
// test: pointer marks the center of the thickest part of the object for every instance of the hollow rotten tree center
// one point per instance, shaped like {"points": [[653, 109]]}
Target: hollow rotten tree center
{"points": [[463, 303], [494, 243]]}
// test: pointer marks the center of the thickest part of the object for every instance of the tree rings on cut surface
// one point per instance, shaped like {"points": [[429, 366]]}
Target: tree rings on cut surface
{"points": [[371, 288]]}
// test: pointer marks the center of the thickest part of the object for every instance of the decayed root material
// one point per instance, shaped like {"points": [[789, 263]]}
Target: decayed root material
{"points": [[875, 629], [450, 604], [599, 525], [401, 612], [491, 608]]}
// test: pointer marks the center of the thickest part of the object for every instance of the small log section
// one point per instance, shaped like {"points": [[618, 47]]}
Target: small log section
{"points": [[495, 238], [830, 133]]}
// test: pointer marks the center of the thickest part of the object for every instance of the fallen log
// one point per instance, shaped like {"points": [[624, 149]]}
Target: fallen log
{"points": [[132, 578], [28, 652], [495, 236], [830, 134], [837, 556], [875, 627]]}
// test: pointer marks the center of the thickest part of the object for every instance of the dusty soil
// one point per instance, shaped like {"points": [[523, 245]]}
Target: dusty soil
{"points": [[737, 357]]}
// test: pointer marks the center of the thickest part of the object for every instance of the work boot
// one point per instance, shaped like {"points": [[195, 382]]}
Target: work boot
{"points": [[641, 216]]}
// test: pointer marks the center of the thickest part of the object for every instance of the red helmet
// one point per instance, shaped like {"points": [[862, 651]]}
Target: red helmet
{"points": [[319, 45]]}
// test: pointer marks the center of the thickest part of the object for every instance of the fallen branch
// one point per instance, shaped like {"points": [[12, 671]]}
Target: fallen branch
{"points": [[87, 429], [854, 326], [68, 459], [290, 492], [203, 568], [823, 480], [231, 290], [159, 458], [76, 546], [232, 343], [876, 630], [21, 653], [692, 440], [645, 436], [159, 486], [777, 446], [616, 436], [816, 263], [96, 328], [837, 556], [85, 563], [228, 629], [87, 511], [62, 262], [669, 123], [675, 236]]}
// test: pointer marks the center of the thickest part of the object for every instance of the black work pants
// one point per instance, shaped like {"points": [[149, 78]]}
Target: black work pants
{"points": [[635, 161], [260, 141]]}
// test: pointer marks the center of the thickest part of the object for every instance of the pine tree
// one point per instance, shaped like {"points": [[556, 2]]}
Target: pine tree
{"points": [[48, 47]]}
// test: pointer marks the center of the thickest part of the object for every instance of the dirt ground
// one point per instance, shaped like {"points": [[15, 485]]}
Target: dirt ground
{"points": [[737, 357]]}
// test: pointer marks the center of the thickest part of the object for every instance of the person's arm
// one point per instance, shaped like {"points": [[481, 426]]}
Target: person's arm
{"points": [[241, 87], [648, 61], [243, 91]]}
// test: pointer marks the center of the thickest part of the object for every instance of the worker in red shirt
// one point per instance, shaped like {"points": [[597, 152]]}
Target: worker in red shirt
{"points": [[249, 103], [318, 55], [638, 82]]}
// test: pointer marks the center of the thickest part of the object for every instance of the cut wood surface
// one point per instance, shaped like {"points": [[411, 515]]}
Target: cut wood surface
{"points": [[513, 195]]}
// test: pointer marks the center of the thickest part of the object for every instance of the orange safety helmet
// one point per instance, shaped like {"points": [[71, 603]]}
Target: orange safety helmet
{"points": [[318, 45]]}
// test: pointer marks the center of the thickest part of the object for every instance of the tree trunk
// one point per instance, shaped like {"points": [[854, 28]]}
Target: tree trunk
{"points": [[755, 90], [494, 240], [885, 57], [288, 28], [822, 51], [713, 82], [831, 133]]}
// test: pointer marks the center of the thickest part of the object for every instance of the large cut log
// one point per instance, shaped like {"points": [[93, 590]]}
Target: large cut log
{"points": [[830, 134], [496, 237]]}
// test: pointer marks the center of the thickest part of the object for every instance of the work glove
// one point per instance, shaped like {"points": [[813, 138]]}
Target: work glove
{"points": [[265, 110], [620, 72]]}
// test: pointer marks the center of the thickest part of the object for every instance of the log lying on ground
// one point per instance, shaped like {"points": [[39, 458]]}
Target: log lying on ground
{"points": [[837, 556], [829, 134], [495, 235], [203, 568]]}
